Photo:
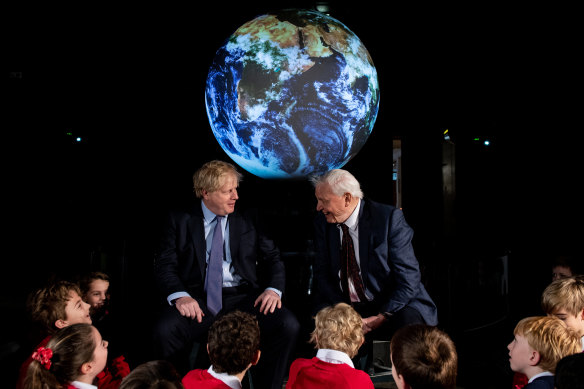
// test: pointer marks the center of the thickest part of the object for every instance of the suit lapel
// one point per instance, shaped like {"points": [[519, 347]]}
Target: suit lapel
{"points": [[197, 229], [364, 233], [235, 229]]}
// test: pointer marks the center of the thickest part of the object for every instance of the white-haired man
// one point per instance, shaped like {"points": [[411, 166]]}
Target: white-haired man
{"points": [[365, 258]]}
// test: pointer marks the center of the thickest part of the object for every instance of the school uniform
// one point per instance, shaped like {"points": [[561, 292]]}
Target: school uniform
{"points": [[329, 369], [210, 379]]}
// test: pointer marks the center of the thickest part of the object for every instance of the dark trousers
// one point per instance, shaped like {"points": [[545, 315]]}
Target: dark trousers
{"points": [[174, 334], [403, 317]]}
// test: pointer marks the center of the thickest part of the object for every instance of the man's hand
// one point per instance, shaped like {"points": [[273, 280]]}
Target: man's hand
{"points": [[189, 307], [269, 301], [372, 322]]}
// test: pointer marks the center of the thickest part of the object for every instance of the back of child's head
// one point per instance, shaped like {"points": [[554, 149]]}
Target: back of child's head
{"points": [[158, 374], [425, 357], [339, 328], [550, 337], [569, 372], [60, 361], [47, 305], [564, 293], [233, 342]]}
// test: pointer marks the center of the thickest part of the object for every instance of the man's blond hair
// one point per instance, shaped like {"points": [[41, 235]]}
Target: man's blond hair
{"points": [[211, 176], [339, 328], [550, 337]]}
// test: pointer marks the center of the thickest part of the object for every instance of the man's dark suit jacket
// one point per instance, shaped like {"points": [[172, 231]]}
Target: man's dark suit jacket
{"points": [[389, 267], [181, 263]]}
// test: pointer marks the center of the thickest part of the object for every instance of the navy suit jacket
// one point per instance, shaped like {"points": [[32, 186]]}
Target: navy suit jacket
{"points": [[544, 382], [181, 262], [389, 268]]}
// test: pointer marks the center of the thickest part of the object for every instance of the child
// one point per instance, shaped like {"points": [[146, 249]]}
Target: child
{"points": [[95, 291], [539, 343], [157, 374], [60, 305], [423, 356], [570, 372], [233, 347], [72, 358], [338, 334], [564, 298]]}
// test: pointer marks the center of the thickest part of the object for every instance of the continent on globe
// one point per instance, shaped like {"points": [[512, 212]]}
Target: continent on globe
{"points": [[291, 94]]}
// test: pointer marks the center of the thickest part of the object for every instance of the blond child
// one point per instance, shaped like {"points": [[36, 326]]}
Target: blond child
{"points": [[539, 343], [338, 335], [564, 299]]}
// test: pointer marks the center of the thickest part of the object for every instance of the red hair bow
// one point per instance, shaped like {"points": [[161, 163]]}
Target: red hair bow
{"points": [[43, 355]]}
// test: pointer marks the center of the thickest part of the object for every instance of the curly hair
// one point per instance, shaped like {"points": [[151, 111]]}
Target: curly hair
{"points": [[567, 293], [47, 305], [550, 337], [211, 176], [339, 328], [233, 342], [424, 356]]}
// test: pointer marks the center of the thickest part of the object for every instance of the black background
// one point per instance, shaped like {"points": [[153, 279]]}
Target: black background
{"points": [[129, 80]]}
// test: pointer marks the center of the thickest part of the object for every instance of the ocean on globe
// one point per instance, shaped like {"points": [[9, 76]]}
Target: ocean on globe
{"points": [[291, 94]]}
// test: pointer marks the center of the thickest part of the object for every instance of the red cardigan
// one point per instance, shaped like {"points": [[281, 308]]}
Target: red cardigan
{"points": [[316, 374], [202, 379]]}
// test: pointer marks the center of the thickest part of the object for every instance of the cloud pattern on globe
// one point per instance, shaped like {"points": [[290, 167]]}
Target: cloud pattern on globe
{"points": [[292, 94]]}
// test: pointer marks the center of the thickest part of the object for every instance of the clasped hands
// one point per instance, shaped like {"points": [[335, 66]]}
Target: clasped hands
{"points": [[189, 307]]}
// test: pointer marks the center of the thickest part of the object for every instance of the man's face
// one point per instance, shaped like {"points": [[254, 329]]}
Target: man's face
{"points": [[222, 201], [520, 354], [335, 208], [575, 322]]}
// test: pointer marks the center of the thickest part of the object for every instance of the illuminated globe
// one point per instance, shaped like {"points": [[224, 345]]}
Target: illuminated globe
{"points": [[292, 94]]}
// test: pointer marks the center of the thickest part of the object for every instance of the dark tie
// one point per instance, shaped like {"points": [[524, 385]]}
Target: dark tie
{"points": [[215, 270], [350, 268]]}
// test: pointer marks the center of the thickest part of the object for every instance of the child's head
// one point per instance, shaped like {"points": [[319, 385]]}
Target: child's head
{"points": [[564, 298], [423, 356], [234, 342], [58, 305], [158, 374], [539, 343], [74, 353], [564, 267], [338, 328], [569, 372], [95, 289]]}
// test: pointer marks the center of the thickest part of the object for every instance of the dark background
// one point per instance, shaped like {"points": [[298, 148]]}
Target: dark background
{"points": [[129, 80]]}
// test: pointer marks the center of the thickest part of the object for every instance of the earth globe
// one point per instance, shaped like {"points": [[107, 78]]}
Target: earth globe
{"points": [[291, 94]]}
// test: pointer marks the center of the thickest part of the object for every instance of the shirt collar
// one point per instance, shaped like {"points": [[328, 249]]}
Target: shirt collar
{"points": [[207, 214], [82, 385], [334, 356], [232, 381], [353, 220], [542, 374]]}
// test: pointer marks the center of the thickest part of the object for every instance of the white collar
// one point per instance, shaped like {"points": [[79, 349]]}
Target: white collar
{"points": [[334, 356], [542, 374], [230, 380], [353, 219], [82, 385]]}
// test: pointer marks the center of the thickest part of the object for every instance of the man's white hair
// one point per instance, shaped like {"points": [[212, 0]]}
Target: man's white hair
{"points": [[340, 181]]}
